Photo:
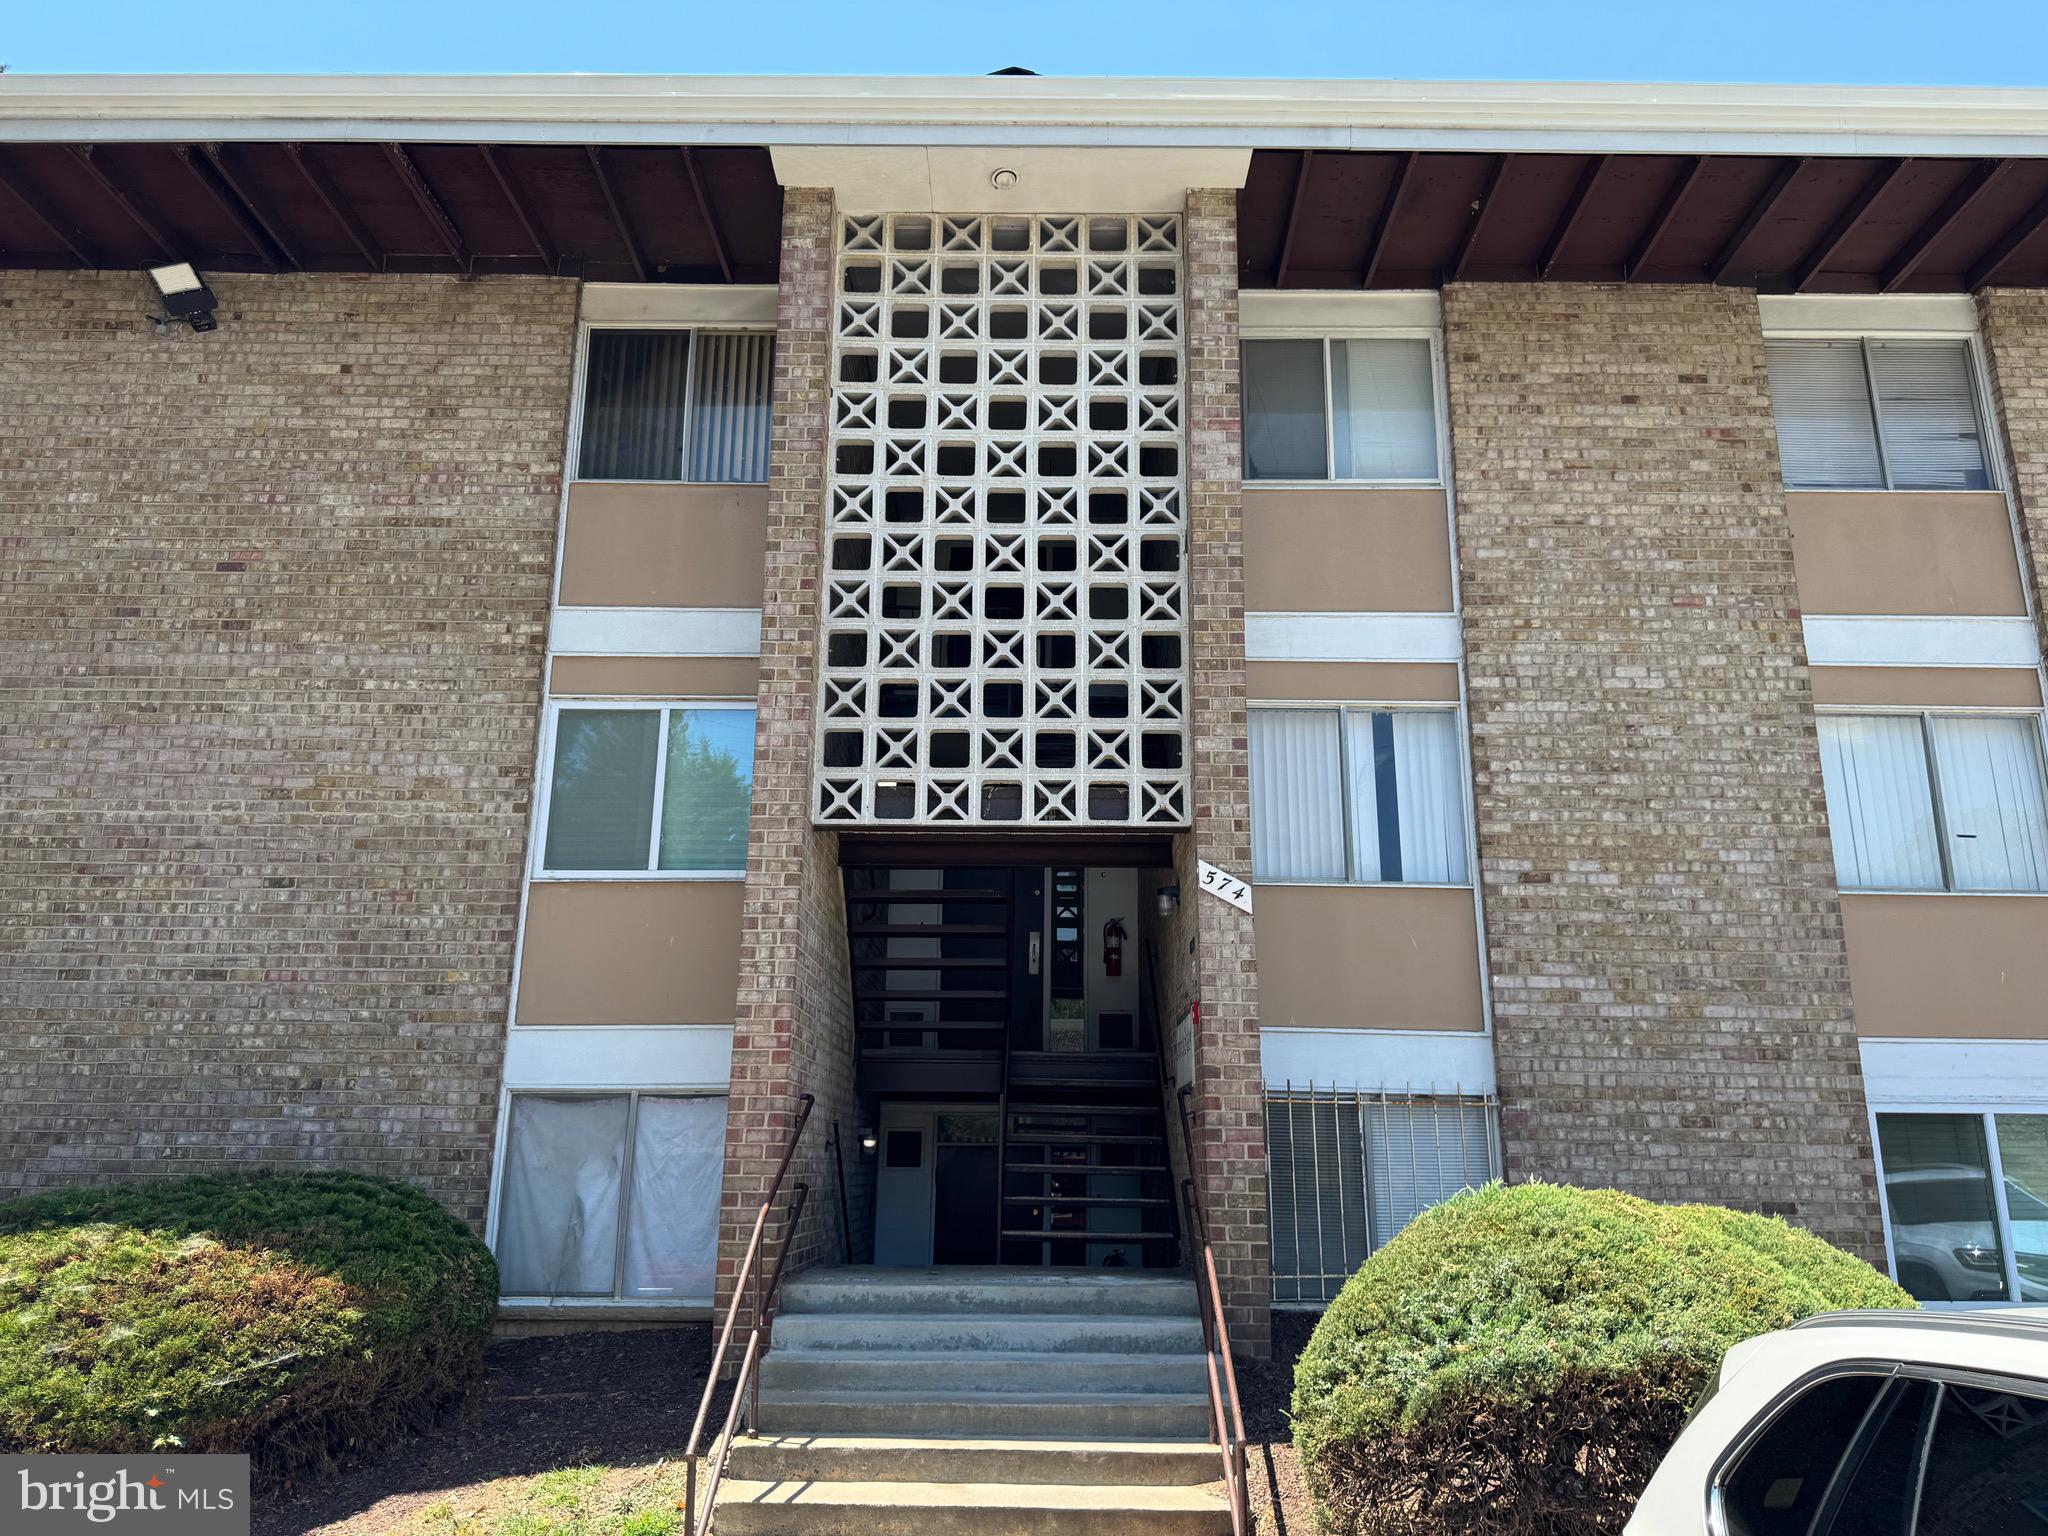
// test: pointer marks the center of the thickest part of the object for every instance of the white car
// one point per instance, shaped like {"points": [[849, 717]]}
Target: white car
{"points": [[1867, 1424], [1943, 1235]]}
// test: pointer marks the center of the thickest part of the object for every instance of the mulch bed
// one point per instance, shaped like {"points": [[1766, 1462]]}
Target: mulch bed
{"points": [[1280, 1502], [617, 1398]]}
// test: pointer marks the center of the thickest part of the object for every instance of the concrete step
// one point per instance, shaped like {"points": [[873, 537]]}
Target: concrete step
{"points": [[992, 1415], [1061, 1332], [887, 1459], [979, 1371], [967, 1509], [1151, 1293]]}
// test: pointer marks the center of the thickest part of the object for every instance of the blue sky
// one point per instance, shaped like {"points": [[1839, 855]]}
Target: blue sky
{"points": [[1988, 42]]}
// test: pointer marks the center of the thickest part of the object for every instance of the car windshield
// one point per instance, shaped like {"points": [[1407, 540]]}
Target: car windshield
{"points": [[2024, 1204]]}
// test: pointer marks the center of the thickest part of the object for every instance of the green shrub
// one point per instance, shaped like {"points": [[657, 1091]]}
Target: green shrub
{"points": [[292, 1316], [1519, 1359]]}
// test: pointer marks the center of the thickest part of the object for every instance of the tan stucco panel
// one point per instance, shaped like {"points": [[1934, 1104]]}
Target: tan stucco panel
{"points": [[1383, 956], [1956, 966], [664, 546], [1364, 682], [1904, 552], [656, 677], [1929, 687], [631, 952], [1334, 550]]}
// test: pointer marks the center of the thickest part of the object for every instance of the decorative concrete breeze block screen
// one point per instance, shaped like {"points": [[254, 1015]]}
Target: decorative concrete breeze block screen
{"points": [[1005, 607]]}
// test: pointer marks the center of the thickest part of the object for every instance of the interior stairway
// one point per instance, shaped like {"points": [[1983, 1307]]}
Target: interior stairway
{"points": [[996, 1402]]}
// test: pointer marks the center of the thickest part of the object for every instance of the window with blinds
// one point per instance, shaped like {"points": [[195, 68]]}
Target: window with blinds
{"points": [[677, 405], [1865, 414], [1930, 802], [1362, 409], [1347, 1171], [1349, 795]]}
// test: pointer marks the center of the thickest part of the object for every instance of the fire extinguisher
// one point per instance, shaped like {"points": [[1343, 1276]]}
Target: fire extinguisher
{"points": [[1112, 948]]}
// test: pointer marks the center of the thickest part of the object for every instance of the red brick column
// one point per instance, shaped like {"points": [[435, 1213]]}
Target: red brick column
{"points": [[1229, 1100], [1670, 982], [794, 1031]]}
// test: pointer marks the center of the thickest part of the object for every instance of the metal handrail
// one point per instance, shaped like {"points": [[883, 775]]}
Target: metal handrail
{"points": [[766, 1289]]}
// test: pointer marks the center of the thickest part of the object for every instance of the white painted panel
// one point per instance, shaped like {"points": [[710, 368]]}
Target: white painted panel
{"points": [[1921, 642], [1964, 1073], [1319, 312], [921, 178], [656, 632], [1352, 637], [1868, 314], [742, 304], [1378, 1060], [625, 1056]]}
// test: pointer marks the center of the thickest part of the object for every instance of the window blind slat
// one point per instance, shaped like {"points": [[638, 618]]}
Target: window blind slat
{"points": [[1992, 803], [1820, 400], [1932, 439], [1297, 796], [729, 425], [1430, 794], [1384, 401], [1880, 802], [633, 408]]}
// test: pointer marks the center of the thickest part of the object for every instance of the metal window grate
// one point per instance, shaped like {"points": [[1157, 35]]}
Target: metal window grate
{"points": [[1348, 1170], [1006, 598]]}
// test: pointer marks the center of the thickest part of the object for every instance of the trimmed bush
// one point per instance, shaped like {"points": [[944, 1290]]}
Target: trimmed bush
{"points": [[292, 1316], [1518, 1360]]}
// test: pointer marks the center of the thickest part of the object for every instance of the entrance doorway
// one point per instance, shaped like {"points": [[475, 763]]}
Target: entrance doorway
{"points": [[1008, 1041]]}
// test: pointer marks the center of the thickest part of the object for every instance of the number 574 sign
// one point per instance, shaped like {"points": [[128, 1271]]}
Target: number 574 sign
{"points": [[1221, 883]]}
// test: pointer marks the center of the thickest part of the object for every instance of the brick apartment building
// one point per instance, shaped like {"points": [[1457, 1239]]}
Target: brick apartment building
{"points": [[657, 597]]}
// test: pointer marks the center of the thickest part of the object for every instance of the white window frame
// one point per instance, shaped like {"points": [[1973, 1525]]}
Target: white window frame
{"points": [[695, 328], [545, 788], [1394, 706], [1995, 1170], [1326, 335], [1925, 713], [1980, 403], [500, 1166]]}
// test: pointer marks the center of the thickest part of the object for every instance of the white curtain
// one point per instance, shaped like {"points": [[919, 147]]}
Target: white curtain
{"points": [[1419, 1155], [1364, 772], [672, 1221], [1991, 801], [1384, 400], [729, 414], [1297, 795], [1820, 400], [1932, 441], [1429, 792], [1880, 803], [558, 1217]]}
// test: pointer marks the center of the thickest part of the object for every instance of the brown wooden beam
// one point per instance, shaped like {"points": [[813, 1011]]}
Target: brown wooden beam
{"points": [[1660, 222], [704, 212], [332, 200], [1479, 214], [47, 215], [428, 204], [1989, 265], [1906, 261], [522, 210], [611, 202], [268, 218], [1308, 158], [1758, 212], [1389, 210], [83, 154], [1845, 224], [1554, 247], [224, 198]]}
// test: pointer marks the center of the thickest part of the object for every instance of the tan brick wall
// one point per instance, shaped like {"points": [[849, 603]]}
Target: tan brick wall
{"points": [[2014, 325], [1229, 1100], [273, 637], [794, 1033], [1670, 987]]}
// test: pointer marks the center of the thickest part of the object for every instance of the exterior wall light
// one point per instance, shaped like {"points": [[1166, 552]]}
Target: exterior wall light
{"points": [[868, 1139], [1169, 898], [184, 296]]}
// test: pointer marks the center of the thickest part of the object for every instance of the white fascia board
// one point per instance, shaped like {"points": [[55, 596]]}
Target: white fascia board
{"points": [[1867, 314], [1377, 1060], [1352, 637], [685, 1057], [750, 304], [941, 179], [1837, 640], [1960, 1074], [655, 632], [1337, 114], [1315, 311]]}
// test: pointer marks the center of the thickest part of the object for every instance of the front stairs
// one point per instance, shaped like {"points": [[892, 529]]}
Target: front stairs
{"points": [[987, 1402]]}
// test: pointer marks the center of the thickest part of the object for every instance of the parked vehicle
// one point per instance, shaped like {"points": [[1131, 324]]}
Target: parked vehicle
{"points": [[1860, 1423]]}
